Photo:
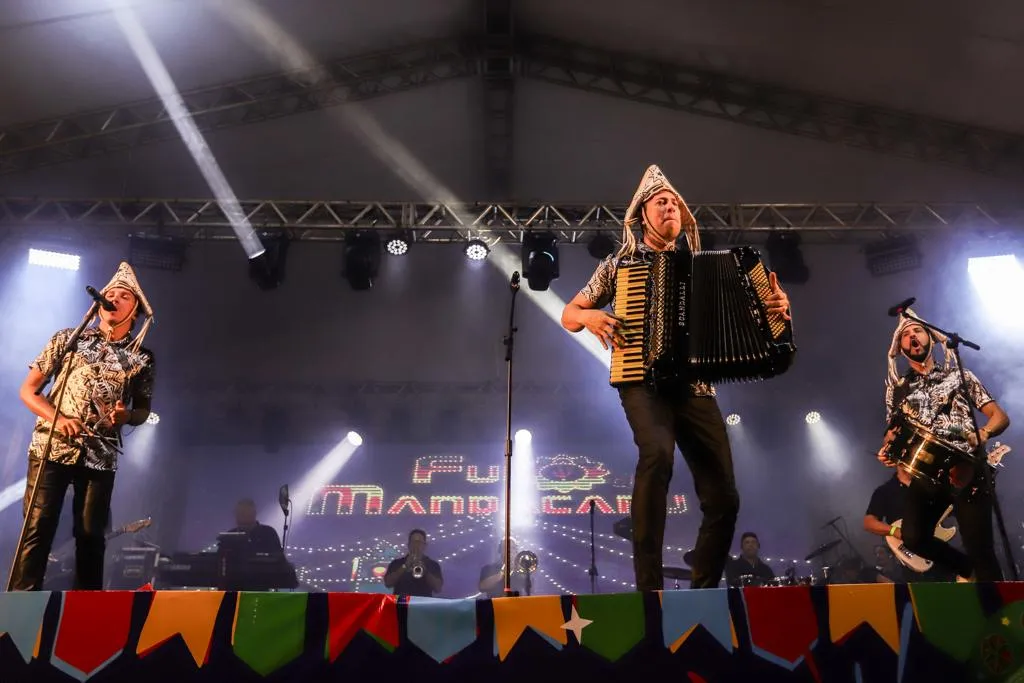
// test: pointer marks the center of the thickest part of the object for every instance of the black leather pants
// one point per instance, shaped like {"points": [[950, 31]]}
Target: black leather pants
{"points": [[90, 512]]}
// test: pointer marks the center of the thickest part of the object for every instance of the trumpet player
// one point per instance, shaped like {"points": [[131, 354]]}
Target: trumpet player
{"points": [[492, 576], [414, 573]]}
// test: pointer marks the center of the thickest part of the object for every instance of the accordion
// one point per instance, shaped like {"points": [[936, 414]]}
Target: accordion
{"points": [[689, 317]]}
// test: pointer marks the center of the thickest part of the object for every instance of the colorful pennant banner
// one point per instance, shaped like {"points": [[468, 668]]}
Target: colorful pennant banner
{"points": [[441, 628], [348, 613], [849, 606], [92, 632], [617, 623], [190, 614], [269, 629], [949, 616], [783, 625], [21, 618], [542, 613], [683, 611]]}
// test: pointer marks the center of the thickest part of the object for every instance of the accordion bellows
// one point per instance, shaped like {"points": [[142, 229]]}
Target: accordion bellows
{"points": [[702, 316]]}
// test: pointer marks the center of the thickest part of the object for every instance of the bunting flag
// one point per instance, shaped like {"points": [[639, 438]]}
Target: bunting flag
{"points": [[782, 623], [542, 613], [683, 611], [21, 618], [1010, 592], [998, 652], [849, 606], [949, 616], [190, 614], [269, 629], [617, 622], [376, 613], [906, 626], [92, 631], [441, 628]]}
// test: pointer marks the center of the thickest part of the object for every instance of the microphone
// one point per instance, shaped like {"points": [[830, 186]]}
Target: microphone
{"points": [[902, 306], [831, 521], [515, 280], [105, 303], [282, 499]]}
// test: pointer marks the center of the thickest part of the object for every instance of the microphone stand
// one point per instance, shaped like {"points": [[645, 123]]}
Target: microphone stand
{"points": [[849, 544], [593, 561], [953, 342], [286, 508], [509, 342], [68, 352]]}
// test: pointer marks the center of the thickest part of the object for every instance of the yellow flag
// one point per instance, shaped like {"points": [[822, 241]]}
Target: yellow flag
{"points": [[873, 604], [512, 616], [190, 613]]}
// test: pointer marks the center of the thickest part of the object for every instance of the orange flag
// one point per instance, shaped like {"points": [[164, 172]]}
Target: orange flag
{"points": [[542, 613], [873, 604], [190, 613]]}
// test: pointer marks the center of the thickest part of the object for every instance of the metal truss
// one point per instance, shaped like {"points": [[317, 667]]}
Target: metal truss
{"points": [[203, 219], [93, 133], [771, 107], [498, 71]]}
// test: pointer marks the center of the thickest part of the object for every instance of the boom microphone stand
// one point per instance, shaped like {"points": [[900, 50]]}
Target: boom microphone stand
{"points": [[509, 344], [593, 560], [67, 352], [286, 507], [953, 342]]}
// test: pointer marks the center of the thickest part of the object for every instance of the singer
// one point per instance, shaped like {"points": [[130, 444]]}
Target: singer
{"points": [[690, 419], [109, 384], [930, 396]]}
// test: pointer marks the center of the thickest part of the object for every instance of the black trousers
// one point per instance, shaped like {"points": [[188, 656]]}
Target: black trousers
{"points": [[659, 423], [973, 510], [90, 512]]}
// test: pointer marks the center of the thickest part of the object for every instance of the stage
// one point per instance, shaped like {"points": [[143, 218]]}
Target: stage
{"points": [[878, 632]]}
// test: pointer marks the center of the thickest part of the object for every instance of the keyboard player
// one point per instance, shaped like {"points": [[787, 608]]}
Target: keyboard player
{"points": [[262, 539], [659, 421]]}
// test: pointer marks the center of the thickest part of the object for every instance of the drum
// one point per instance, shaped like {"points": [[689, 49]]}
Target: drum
{"points": [[931, 460]]}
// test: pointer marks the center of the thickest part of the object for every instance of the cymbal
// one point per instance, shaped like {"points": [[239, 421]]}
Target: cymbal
{"points": [[822, 549], [688, 558], [677, 573]]}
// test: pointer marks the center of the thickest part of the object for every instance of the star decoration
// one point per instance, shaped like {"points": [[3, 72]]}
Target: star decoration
{"points": [[1006, 621], [576, 625]]}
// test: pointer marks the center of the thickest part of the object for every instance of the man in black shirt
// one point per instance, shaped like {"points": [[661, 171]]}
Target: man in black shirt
{"points": [[414, 573], [262, 538], [748, 563], [492, 576], [931, 398]]}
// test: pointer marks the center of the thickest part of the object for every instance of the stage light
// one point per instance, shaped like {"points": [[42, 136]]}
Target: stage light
{"points": [[600, 246], [397, 245], [523, 436], [813, 417], [354, 438], [733, 419], [785, 257], [153, 418], [53, 259], [362, 259], [267, 270], [540, 260], [996, 279], [477, 250], [158, 252]]}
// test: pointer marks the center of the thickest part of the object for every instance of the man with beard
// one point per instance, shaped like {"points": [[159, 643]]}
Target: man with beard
{"points": [[930, 396], [660, 420]]}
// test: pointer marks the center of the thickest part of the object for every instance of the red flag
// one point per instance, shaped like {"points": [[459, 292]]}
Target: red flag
{"points": [[783, 624], [93, 629], [348, 613]]}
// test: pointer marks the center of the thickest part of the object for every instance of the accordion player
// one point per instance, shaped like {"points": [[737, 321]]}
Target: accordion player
{"points": [[698, 316]]}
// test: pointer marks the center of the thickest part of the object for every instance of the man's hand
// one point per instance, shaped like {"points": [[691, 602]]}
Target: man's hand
{"points": [[883, 452], [777, 302], [119, 415], [69, 426], [607, 328]]}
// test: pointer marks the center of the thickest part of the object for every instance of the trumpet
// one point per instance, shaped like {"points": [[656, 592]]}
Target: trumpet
{"points": [[526, 561], [417, 567]]}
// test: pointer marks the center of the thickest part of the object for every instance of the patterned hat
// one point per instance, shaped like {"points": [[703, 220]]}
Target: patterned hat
{"points": [[125, 278], [653, 182], [894, 348]]}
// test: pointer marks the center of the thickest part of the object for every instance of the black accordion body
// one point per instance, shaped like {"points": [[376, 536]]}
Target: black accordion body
{"points": [[701, 316]]}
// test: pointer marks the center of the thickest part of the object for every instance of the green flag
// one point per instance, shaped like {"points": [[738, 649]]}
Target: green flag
{"points": [[949, 615], [617, 623], [269, 630]]}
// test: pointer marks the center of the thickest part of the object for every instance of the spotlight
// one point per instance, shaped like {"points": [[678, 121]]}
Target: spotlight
{"points": [[733, 419], [786, 258], [600, 246], [267, 269], [53, 259], [153, 418], [362, 259], [892, 255], [540, 260], [157, 252], [813, 417], [477, 250], [354, 438], [524, 436], [397, 245]]}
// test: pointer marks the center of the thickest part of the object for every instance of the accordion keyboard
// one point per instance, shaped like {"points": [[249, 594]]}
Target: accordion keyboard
{"points": [[627, 366]]}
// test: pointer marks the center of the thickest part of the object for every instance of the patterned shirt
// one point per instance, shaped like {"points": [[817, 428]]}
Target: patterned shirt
{"points": [[100, 374], [934, 402], [600, 291]]}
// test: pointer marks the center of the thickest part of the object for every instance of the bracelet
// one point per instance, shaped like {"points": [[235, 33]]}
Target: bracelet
{"points": [[892, 530]]}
